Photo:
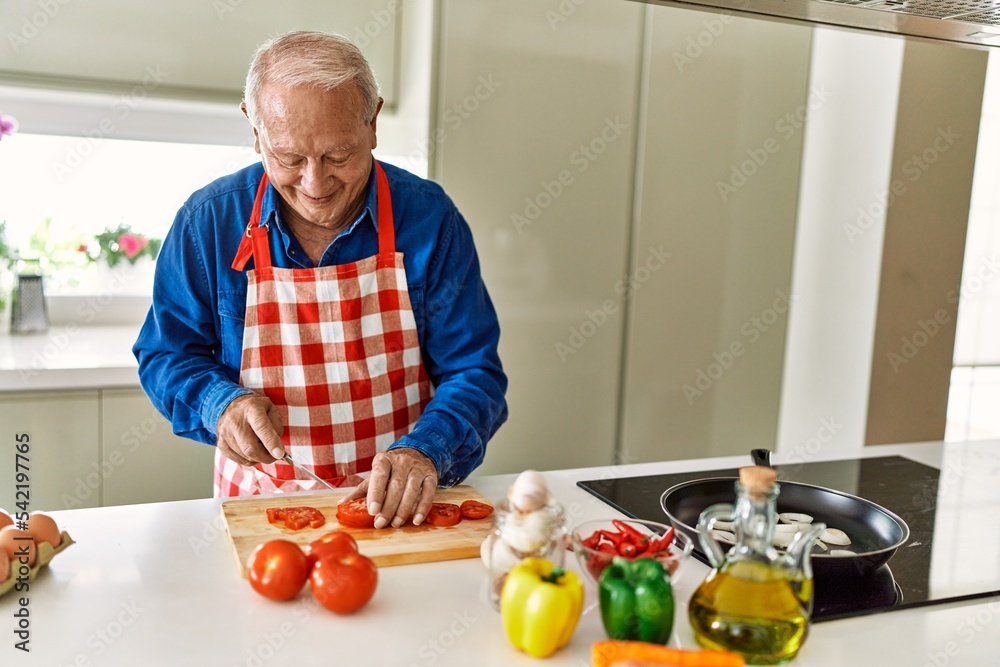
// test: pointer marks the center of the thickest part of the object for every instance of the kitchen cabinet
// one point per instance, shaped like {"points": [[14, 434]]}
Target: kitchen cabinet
{"points": [[186, 48], [724, 111], [145, 462], [98, 447], [534, 137], [632, 183], [63, 459]]}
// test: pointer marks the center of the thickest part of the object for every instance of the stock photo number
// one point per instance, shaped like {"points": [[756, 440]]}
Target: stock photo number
{"points": [[20, 562]]}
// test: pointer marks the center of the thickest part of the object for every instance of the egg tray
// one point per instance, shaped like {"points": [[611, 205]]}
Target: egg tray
{"points": [[44, 556]]}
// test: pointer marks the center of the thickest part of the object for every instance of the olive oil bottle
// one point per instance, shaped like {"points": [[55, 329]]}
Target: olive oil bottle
{"points": [[753, 609], [754, 602]]}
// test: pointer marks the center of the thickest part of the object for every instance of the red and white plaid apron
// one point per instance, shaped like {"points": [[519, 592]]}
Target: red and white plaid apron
{"points": [[335, 349]]}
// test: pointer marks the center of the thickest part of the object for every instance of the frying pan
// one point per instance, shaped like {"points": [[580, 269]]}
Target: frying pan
{"points": [[875, 532]]}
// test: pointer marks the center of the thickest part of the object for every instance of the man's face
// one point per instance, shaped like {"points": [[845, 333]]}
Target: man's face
{"points": [[317, 148]]}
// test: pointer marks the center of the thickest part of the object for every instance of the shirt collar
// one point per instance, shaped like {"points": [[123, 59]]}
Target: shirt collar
{"points": [[270, 212]]}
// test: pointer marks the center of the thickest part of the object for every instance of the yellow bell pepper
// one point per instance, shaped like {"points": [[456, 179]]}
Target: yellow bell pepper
{"points": [[540, 605]]}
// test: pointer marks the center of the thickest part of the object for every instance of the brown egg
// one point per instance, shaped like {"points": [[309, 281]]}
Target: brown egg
{"points": [[4, 566], [5, 519], [43, 528], [11, 541]]}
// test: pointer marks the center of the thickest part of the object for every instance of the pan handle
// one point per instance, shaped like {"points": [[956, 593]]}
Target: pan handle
{"points": [[761, 457]]}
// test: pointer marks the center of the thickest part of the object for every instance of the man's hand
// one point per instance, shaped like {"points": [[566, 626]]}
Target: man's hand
{"points": [[249, 430], [401, 485]]}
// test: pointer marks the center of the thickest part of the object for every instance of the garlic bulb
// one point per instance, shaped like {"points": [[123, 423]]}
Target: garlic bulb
{"points": [[529, 532], [529, 492]]}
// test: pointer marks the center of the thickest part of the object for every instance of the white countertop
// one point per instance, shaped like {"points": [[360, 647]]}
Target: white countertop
{"points": [[156, 585], [69, 357]]}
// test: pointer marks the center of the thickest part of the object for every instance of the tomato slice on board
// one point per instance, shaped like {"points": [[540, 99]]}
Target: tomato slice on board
{"points": [[444, 514], [473, 509], [354, 513], [296, 518]]}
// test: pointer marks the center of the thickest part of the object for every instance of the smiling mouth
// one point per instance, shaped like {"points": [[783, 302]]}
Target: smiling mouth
{"points": [[317, 200]]}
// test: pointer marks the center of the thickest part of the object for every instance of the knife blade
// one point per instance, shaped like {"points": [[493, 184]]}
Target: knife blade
{"points": [[288, 459]]}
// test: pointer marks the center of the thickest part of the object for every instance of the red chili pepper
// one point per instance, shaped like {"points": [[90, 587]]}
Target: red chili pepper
{"points": [[631, 534], [607, 548], [626, 549], [643, 548], [613, 537], [592, 541], [663, 542]]}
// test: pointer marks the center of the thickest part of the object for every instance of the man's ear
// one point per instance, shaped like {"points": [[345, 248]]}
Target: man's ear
{"points": [[256, 136], [375, 121]]}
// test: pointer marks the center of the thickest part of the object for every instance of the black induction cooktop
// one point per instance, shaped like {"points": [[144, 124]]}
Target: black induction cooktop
{"points": [[908, 488]]}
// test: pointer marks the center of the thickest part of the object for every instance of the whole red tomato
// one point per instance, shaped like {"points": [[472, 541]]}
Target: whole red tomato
{"points": [[278, 569], [344, 584], [335, 543]]}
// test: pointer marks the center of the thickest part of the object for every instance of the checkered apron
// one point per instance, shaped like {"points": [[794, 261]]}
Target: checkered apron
{"points": [[335, 349]]}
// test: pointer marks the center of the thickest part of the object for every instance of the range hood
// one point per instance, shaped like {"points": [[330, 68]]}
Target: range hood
{"points": [[971, 22]]}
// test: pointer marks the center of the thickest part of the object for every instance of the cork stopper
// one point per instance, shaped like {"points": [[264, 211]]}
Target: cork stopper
{"points": [[758, 480]]}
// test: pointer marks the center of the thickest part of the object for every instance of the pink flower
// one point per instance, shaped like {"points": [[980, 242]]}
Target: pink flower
{"points": [[131, 244], [8, 125]]}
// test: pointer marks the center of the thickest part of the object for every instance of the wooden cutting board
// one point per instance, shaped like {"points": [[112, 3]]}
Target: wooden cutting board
{"points": [[247, 525]]}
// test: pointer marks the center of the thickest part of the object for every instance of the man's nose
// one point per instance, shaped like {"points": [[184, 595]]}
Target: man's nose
{"points": [[314, 177]]}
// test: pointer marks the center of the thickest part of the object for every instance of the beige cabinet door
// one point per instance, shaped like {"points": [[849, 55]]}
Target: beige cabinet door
{"points": [[60, 467], [724, 115], [534, 138], [142, 460]]}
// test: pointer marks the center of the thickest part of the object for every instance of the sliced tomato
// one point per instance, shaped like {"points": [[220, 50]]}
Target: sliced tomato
{"points": [[473, 509], [354, 513], [296, 518], [444, 514]]}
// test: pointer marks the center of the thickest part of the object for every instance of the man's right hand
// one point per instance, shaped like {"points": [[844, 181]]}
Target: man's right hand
{"points": [[249, 430]]}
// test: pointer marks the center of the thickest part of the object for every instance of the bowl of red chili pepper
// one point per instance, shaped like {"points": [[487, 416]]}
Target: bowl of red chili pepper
{"points": [[595, 543]]}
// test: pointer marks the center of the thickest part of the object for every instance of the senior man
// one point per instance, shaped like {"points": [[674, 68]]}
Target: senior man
{"points": [[323, 304]]}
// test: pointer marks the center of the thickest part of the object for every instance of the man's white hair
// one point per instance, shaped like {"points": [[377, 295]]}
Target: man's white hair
{"points": [[317, 59]]}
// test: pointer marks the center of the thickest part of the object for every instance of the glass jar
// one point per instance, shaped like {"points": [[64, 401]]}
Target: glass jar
{"points": [[755, 601], [518, 535]]}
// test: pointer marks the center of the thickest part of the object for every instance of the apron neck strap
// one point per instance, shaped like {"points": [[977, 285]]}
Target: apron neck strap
{"points": [[386, 224], [249, 245]]}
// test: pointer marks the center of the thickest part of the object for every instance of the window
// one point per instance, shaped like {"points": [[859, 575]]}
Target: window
{"points": [[975, 378], [60, 192]]}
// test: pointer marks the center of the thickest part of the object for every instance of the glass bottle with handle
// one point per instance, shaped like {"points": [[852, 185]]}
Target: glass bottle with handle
{"points": [[755, 601]]}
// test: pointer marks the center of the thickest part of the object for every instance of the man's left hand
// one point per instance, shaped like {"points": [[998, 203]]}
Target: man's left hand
{"points": [[402, 484]]}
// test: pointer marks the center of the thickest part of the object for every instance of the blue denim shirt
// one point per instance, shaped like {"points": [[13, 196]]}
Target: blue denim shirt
{"points": [[190, 346]]}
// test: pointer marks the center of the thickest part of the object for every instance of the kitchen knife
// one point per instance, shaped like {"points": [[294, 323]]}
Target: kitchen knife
{"points": [[288, 459]]}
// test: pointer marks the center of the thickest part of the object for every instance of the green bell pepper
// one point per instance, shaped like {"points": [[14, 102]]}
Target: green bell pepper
{"points": [[637, 600]]}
